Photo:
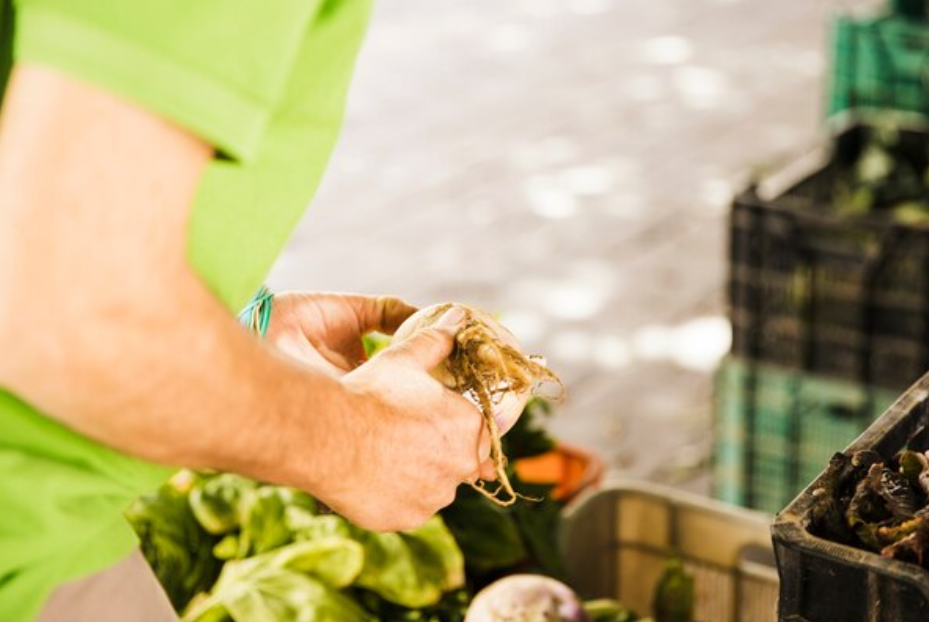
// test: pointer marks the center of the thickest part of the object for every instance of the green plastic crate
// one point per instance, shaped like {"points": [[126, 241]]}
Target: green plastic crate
{"points": [[880, 64], [777, 428]]}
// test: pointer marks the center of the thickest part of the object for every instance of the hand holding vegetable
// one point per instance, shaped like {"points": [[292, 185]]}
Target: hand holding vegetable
{"points": [[472, 356], [488, 367], [402, 442], [325, 330]]}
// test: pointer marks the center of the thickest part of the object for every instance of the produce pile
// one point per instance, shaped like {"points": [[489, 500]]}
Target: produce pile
{"points": [[889, 175], [227, 548], [875, 504]]}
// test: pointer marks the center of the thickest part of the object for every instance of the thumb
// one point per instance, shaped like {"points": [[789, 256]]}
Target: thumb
{"points": [[430, 346]]}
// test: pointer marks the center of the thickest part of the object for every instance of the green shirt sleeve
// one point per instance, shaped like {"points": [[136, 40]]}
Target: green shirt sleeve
{"points": [[216, 67]]}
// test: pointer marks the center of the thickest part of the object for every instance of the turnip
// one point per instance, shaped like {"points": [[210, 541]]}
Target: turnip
{"points": [[526, 598], [488, 367]]}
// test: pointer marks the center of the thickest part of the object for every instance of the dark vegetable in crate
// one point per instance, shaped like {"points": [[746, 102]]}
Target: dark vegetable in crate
{"points": [[877, 505]]}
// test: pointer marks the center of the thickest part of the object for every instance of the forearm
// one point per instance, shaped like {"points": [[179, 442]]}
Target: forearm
{"points": [[174, 379]]}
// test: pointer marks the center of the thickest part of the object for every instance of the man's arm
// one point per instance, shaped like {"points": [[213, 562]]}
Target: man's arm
{"points": [[106, 328]]}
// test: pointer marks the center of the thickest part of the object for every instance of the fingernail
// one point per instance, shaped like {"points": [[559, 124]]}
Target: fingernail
{"points": [[451, 318]]}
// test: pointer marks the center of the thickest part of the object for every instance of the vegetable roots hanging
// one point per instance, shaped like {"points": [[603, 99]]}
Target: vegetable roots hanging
{"points": [[488, 367]]}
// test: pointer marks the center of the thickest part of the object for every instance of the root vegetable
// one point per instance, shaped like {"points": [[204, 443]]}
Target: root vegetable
{"points": [[526, 598], [488, 367]]}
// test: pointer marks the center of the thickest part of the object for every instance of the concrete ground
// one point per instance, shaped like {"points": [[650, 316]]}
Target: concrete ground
{"points": [[568, 164]]}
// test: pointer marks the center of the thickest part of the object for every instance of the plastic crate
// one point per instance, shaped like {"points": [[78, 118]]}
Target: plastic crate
{"points": [[775, 428], [881, 63], [813, 289], [616, 542], [822, 581]]}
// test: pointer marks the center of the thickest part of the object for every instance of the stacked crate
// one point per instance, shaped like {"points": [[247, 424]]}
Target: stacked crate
{"points": [[829, 303]]}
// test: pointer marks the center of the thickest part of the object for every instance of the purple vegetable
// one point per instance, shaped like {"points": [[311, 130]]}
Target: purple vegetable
{"points": [[526, 598]]}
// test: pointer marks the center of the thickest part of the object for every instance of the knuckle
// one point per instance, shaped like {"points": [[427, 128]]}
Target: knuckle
{"points": [[434, 337]]}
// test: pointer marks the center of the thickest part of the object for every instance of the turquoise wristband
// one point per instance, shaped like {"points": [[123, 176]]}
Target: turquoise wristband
{"points": [[257, 313]]}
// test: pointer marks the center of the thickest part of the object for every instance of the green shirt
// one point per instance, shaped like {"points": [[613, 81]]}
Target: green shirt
{"points": [[266, 83]]}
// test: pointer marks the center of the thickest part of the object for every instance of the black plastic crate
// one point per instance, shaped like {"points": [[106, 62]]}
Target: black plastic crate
{"points": [[822, 581], [818, 289], [910, 8]]}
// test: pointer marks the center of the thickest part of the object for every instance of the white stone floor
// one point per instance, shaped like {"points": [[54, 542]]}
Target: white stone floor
{"points": [[569, 164]]}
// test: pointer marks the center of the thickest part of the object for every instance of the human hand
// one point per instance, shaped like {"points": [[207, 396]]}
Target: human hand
{"points": [[325, 330], [406, 442]]}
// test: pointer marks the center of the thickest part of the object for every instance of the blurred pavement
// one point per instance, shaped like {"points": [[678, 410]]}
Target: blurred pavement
{"points": [[568, 164]]}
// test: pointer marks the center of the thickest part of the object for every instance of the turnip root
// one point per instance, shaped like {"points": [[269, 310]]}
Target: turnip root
{"points": [[526, 598], [488, 367]]}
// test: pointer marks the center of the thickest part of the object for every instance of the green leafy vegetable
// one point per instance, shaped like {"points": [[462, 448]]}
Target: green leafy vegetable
{"points": [[275, 595], [539, 523], [412, 568], [608, 610], [489, 535], [292, 582], [228, 549], [264, 527], [528, 437], [307, 526], [175, 545]]}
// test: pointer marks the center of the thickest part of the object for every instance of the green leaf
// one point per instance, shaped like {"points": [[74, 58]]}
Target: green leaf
{"points": [[539, 523], [177, 548], [608, 610], [227, 548], [297, 499], [296, 582], [310, 526], [412, 568], [276, 594], [257, 605], [488, 534], [374, 343], [218, 501], [264, 527], [335, 561], [528, 437]]}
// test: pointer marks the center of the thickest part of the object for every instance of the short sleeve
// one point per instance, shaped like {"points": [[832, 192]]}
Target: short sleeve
{"points": [[215, 67]]}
